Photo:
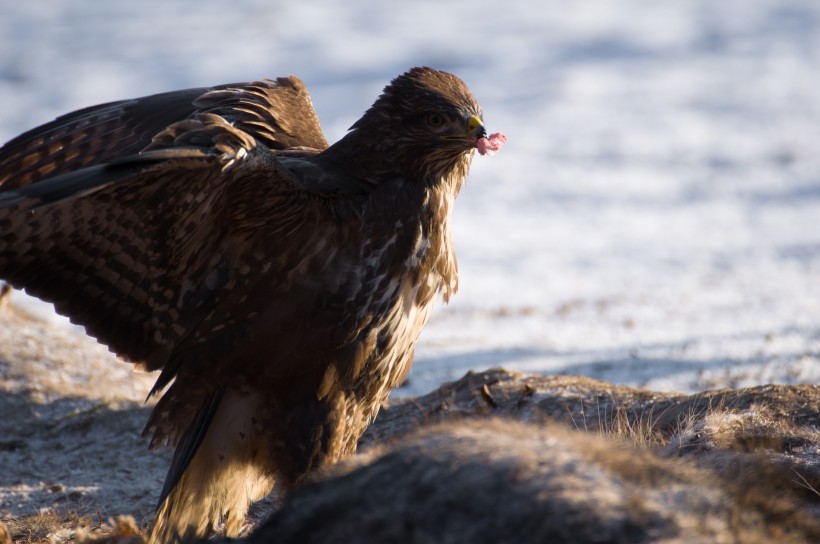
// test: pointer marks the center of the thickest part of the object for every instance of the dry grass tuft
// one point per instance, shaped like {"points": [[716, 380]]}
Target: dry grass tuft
{"points": [[5, 534], [122, 530], [621, 423], [50, 525]]}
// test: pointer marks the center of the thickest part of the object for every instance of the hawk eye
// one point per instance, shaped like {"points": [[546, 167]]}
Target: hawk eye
{"points": [[435, 120]]}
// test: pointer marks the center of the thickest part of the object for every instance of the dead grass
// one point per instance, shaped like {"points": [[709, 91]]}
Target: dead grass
{"points": [[56, 526], [620, 423], [122, 530], [51, 525], [716, 423], [5, 534]]}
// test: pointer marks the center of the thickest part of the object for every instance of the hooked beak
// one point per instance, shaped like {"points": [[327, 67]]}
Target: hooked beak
{"points": [[475, 128]]}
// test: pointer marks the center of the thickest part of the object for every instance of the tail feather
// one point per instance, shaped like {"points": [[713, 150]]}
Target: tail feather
{"points": [[220, 480], [207, 497], [189, 444]]}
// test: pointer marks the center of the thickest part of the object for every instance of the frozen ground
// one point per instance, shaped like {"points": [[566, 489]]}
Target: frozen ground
{"points": [[653, 220]]}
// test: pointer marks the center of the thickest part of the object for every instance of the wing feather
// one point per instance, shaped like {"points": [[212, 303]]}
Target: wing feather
{"points": [[90, 136], [278, 113], [137, 249], [255, 108]]}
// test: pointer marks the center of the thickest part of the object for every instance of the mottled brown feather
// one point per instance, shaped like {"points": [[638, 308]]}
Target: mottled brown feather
{"points": [[278, 112]]}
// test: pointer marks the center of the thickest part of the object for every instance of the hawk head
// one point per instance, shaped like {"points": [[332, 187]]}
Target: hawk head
{"points": [[424, 126]]}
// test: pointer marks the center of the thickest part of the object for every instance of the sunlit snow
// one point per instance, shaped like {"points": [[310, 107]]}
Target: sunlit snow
{"points": [[653, 219]]}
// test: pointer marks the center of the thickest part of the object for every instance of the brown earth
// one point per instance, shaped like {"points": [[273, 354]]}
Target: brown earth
{"points": [[496, 456]]}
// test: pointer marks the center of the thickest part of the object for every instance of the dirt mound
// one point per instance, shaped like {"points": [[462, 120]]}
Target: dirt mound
{"points": [[496, 456]]}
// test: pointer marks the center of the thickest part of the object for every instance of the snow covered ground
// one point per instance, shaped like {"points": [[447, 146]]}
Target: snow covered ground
{"points": [[653, 220]]}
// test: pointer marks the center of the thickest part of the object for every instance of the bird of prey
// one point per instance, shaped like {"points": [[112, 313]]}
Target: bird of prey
{"points": [[279, 285]]}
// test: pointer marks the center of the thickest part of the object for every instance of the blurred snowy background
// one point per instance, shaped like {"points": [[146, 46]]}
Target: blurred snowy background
{"points": [[654, 219]]}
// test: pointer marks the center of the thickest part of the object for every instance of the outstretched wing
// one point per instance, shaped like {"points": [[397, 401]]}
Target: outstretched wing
{"points": [[277, 113], [141, 248]]}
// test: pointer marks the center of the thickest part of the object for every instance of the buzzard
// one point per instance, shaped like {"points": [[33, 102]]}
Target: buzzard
{"points": [[279, 285]]}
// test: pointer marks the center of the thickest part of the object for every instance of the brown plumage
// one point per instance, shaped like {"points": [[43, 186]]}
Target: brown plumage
{"points": [[278, 284]]}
